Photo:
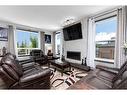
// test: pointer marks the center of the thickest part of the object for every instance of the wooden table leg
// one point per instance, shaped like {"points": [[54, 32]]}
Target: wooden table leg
{"points": [[69, 68], [62, 72]]}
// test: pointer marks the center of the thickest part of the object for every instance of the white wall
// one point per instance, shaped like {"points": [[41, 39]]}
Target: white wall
{"points": [[79, 45], [49, 46], [3, 43]]}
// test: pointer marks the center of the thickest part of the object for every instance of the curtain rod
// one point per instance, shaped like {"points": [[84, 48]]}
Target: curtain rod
{"points": [[30, 30], [105, 12]]}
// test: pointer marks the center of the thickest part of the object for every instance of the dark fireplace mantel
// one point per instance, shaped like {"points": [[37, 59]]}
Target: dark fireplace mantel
{"points": [[74, 55]]}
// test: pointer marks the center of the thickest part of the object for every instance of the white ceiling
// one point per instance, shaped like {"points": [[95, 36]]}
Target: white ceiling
{"points": [[47, 17]]}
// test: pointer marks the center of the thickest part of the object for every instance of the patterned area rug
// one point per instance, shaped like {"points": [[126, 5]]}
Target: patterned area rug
{"points": [[59, 82]]}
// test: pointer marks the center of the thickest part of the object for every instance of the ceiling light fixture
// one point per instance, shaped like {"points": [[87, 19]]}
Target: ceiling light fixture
{"points": [[68, 22]]}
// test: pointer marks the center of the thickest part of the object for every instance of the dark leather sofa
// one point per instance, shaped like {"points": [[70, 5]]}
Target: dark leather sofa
{"points": [[14, 77], [103, 78]]}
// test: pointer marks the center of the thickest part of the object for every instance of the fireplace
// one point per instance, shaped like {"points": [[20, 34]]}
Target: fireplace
{"points": [[74, 55]]}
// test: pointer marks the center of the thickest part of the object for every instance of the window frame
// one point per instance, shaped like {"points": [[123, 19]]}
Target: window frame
{"points": [[55, 41], [101, 18], [29, 30]]}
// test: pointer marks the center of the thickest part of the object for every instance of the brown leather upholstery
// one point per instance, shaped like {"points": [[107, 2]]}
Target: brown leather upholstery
{"points": [[121, 71], [104, 78], [15, 78], [50, 54], [24, 65], [8, 80], [13, 64], [39, 57], [103, 74], [10, 72]]}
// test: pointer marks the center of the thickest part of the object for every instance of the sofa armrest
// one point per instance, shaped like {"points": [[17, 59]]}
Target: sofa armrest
{"points": [[34, 79], [22, 62], [26, 64], [30, 77], [108, 69]]}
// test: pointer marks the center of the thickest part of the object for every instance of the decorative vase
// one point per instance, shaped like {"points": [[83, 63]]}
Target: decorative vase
{"points": [[4, 50], [84, 61]]}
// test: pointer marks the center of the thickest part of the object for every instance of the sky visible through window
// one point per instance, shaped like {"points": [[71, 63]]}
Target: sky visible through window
{"points": [[24, 36], [106, 29], [105, 37]]}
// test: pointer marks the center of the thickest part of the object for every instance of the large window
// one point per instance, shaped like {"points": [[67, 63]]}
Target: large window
{"points": [[57, 43], [105, 38], [26, 41]]}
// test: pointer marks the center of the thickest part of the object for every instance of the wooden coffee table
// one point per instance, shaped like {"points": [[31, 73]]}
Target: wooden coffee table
{"points": [[60, 65]]}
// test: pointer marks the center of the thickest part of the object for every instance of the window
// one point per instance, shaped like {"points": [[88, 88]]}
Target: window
{"points": [[26, 41], [57, 45], [105, 38]]}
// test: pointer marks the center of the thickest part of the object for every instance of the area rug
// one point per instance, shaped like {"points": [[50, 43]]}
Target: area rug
{"points": [[59, 82]]}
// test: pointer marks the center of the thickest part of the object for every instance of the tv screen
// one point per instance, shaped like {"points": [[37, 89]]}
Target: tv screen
{"points": [[73, 32]]}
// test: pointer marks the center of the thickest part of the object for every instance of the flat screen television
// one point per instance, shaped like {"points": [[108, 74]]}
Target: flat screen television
{"points": [[73, 32]]}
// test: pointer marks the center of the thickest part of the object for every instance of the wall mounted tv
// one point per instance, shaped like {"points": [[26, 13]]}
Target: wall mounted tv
{"points": [[73, 32]]}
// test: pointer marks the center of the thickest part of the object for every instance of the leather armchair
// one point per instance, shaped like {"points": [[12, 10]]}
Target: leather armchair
{"points": [[50, 55], [104, 78], [38, 57], [14, 77]]}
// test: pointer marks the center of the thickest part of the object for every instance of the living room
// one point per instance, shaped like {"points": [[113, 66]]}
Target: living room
{"points": [[64, 47]]}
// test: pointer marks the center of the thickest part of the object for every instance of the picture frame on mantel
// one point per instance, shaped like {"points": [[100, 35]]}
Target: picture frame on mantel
{"points": [[3, 34]]}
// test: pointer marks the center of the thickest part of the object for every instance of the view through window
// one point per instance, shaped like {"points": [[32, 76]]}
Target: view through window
{"points": [[26, 41], [57, 41], [105, 38]]}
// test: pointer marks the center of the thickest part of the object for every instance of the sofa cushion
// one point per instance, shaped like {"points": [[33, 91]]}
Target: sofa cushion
{"points": [[28, 66], [96, 82], [104, 75], [34, 74], [14, 64], [121, 82], [121, 70], [6, 78], [10, 72]]}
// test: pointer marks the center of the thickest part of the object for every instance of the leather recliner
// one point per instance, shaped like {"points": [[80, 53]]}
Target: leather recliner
{"points": [[26, 65], [103, 78], [38, 57], [14, 77]]}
